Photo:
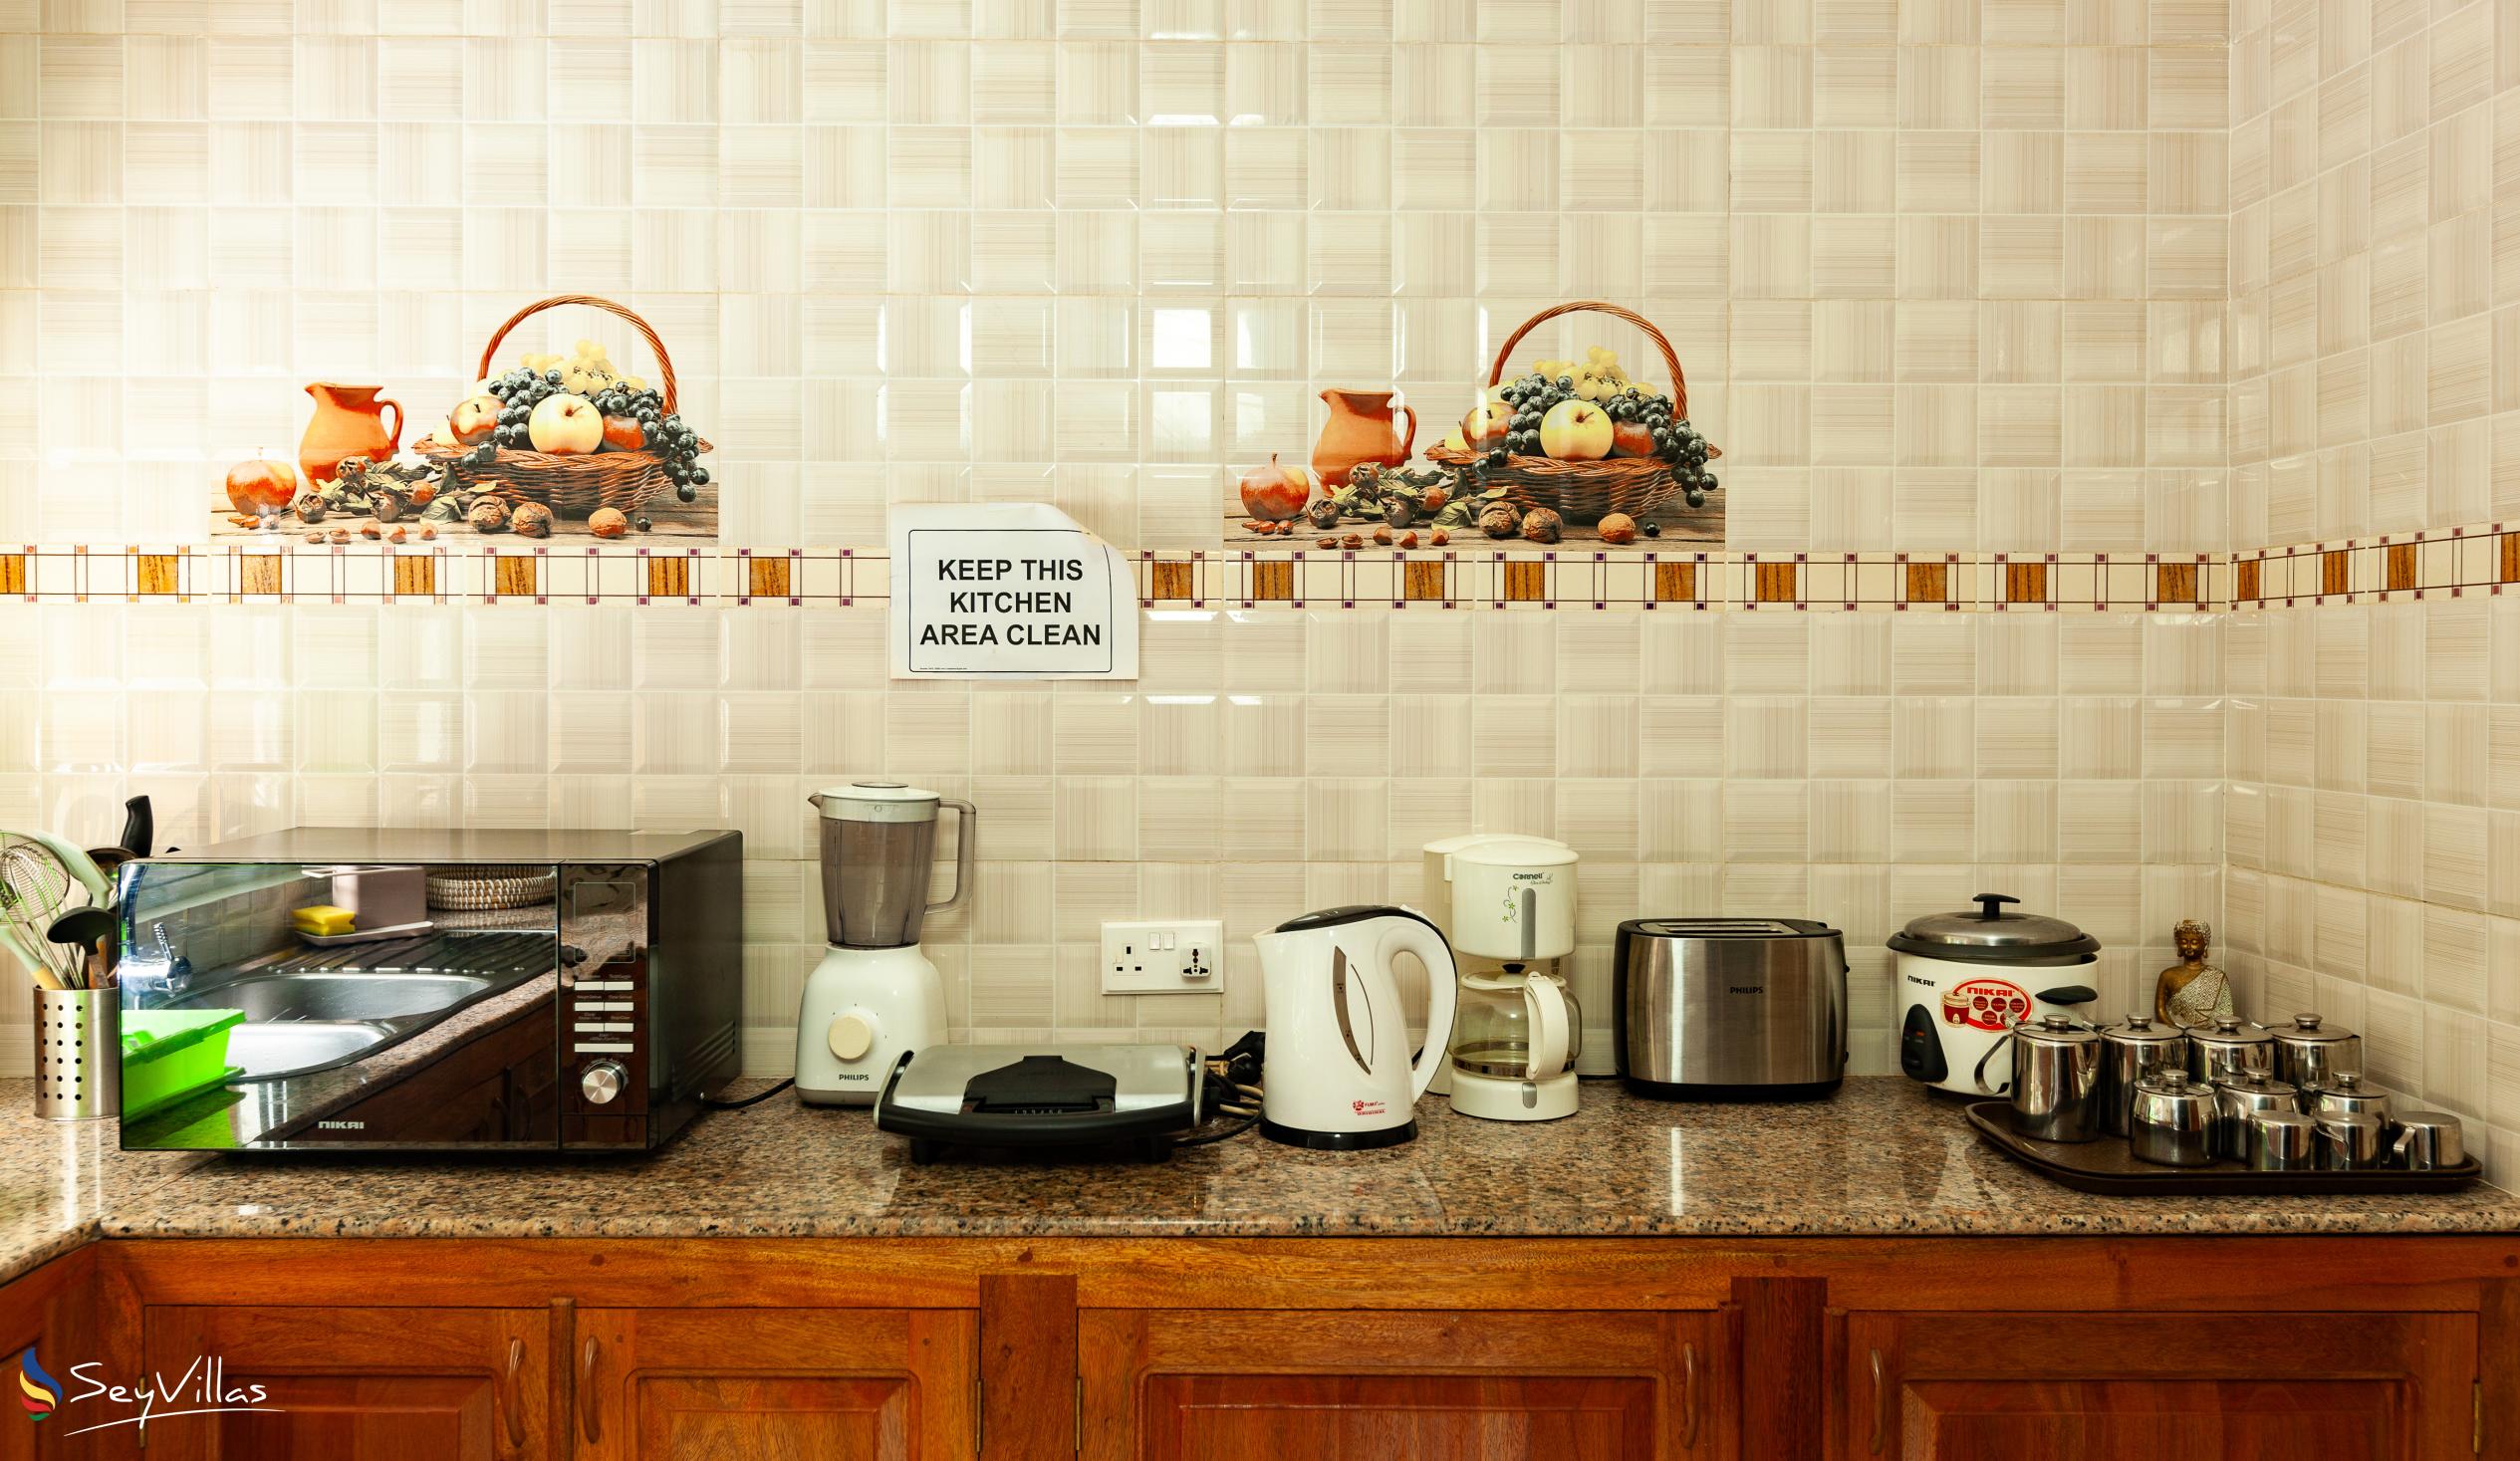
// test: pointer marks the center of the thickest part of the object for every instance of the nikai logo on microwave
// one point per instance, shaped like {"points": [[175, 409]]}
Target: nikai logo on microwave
{"points": [[200, 1388]]}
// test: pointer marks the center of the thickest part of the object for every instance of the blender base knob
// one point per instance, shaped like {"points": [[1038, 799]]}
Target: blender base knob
{"points": [[852, 1036]]}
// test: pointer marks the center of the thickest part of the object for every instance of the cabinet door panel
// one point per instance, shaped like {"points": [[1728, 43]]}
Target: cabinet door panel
{"points": [[746, 1385], [357, 1385], [1388, 1387], [2170, 1387]]}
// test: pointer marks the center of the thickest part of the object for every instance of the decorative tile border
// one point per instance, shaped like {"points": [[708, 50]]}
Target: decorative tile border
{"points": [[2453, 562], [2394, 568]]}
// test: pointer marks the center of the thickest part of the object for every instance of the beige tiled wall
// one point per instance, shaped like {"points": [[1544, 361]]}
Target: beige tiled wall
{"points": [[1945, 277], [1863, 768], [1943, 274], [2374, 819]]}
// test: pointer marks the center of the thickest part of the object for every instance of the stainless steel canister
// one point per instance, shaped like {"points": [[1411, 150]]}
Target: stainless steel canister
{"points": [[2129, 1052], [78, 1056], [2349, 1141], [2280, 1141], [2237, 1100], [2170, 1120], [2229, 1046], [2310, 1051], [2056, 1080], [2428, 1139], [2346, 1094]]}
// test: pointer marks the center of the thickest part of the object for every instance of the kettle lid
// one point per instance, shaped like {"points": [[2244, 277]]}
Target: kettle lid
{"points": [[1349, 913], [1987, 934], [875, 801]]}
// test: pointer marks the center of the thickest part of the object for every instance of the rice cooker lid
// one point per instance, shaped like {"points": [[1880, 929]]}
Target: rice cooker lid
{"points": [[1987, 934]]}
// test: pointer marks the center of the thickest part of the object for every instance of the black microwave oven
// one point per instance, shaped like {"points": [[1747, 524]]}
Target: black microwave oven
{"points": [[429, 990]]}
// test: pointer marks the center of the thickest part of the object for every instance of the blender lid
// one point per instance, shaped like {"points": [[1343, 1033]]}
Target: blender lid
{"points": [[1987, 934], [875, 801]]}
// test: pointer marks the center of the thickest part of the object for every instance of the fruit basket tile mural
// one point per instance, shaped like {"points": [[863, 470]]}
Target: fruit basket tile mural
{"points": [[1572, 451], [554, 446]]}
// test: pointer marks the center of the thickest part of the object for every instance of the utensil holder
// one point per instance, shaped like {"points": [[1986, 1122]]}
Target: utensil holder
{"points": [[77, 1059]]}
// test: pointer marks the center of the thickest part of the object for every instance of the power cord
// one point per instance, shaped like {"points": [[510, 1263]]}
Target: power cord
{"points": [[1237, 1073], [756, 1098]]}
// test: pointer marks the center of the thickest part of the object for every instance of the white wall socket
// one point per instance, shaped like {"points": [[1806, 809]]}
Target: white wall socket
{"points": [[1164, 958]]}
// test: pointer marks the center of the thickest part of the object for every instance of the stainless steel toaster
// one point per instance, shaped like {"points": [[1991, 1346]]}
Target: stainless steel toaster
{"points": [[1729, 1009]]}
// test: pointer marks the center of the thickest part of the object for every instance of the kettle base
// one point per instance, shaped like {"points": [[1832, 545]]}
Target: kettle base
{"points": [[1338, 1140]]}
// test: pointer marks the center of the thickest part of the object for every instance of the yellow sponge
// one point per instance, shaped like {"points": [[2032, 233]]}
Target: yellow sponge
{"points": [[323, 919]]}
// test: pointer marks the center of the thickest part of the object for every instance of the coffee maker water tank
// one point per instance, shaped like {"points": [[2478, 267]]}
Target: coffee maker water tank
{"points": [[1503, 895]]}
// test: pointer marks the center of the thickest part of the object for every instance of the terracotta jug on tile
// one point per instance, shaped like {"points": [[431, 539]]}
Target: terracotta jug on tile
{"points": [[349, 421], [1361, 430]]}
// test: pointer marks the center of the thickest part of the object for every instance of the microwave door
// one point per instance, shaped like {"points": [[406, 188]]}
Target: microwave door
{"points": [[441, 1033]]}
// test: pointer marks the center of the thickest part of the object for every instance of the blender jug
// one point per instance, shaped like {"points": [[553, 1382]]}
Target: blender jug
{"points": [[878, 840]]}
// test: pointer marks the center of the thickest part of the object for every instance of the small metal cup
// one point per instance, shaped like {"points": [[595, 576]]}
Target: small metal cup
{"points": [[2281, 1141], [78, 1058], [2428, 1139], [2349, 1141]]}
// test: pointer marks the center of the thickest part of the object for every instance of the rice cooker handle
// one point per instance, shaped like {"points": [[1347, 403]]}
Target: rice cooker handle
{"points": [[2069, 994], [1992, 904]]}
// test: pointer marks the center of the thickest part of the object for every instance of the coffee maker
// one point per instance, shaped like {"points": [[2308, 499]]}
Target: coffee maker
{"points": [[874, 997], [1507, 905]]}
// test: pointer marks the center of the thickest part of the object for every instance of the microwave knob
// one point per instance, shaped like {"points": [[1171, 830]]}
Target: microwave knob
{"points": [[603, 1081]]}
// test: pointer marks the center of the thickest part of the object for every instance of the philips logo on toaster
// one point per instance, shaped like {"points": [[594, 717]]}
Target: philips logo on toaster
{"points": [[1745, 989]]}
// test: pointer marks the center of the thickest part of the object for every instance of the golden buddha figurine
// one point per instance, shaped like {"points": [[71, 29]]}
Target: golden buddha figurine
{"points": [[2192, 991]]}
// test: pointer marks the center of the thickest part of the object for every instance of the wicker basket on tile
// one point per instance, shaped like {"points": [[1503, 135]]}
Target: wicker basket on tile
{"points": [[485, 890], [1581, 492], [573, 485]]}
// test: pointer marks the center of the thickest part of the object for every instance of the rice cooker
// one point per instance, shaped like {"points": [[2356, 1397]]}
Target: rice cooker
{"points": [[1966, 978]]}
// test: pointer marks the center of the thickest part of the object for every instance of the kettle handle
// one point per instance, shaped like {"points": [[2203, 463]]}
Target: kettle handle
{"points": [[963, 840], [1414, 935], [1549, 1022]]}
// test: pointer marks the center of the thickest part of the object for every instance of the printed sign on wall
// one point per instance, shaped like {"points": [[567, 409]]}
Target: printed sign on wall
{"points": [[1007, 591]]}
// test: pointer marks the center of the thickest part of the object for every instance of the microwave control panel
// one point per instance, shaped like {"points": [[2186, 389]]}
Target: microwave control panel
{"points": [[603, 992]]}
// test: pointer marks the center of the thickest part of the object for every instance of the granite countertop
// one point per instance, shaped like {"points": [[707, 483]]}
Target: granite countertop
{"points": [[1880, 1160]]}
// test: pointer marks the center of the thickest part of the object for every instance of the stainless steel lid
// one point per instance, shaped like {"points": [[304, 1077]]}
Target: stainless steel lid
{"points": [[2054, 1030], [2311, 1029], [2172, 1082], [2228, 1030], [2253, 1083], [2346, 1083], [2141, 1030], [1989, 935]]}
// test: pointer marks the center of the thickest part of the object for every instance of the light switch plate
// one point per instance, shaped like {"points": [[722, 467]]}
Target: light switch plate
{"points": [[1163, 957]]}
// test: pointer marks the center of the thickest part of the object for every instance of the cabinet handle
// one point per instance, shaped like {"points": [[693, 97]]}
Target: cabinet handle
{"points": [[589, 1406], [1688, 1397], [514, 1400], [1880, 1403]]}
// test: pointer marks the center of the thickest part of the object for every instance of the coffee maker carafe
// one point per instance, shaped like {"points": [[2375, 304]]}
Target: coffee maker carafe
{"points": [[1508, 907], [874, 997]]}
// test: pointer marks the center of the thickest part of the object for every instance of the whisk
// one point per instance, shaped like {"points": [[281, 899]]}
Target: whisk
{"points": [[34, 886]]}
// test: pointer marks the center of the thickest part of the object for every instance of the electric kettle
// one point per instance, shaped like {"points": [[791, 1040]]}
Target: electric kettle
{"points": [[1337, 1073]]}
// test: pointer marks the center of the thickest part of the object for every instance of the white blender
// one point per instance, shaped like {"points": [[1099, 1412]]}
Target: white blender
{"points": [[874, 997], [1508, 905]]}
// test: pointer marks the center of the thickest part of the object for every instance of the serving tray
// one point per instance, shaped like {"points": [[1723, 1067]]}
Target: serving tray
{"points": [[2109, 1167]]}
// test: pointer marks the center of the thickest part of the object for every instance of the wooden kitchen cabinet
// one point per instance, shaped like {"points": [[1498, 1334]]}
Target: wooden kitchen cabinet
{"points": [[731, 1384], [1226, 1386], [356, 1384], [2157, 1387]]}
